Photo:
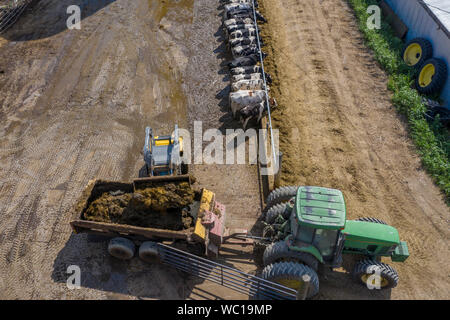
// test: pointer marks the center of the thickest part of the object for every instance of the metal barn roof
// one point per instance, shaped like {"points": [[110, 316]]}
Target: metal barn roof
{"points": [[441, 10]]}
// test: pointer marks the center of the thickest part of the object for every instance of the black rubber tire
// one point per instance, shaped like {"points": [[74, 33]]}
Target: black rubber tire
{"points": [[444, 115], [184, 168], [121, 248], [427, 50], [143, 172], [274, 211], [281, 194], [279, 251], [148, 251], [291, 270], [369, 219], [386, 271], [439, 78]]}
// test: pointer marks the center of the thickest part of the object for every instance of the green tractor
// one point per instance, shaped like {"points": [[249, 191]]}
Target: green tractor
{"points": [[311, 229]]}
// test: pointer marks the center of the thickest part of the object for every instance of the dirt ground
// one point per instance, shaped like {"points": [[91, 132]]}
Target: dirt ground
{"points": [[73, 106], [339, 129]]}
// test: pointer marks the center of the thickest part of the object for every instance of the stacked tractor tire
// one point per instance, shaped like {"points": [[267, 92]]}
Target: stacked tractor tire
{"points": [[248, 100], [431, 72]]}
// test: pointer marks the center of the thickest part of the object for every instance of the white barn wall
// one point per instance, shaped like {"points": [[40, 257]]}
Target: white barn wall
{"points": [[422, 24]]}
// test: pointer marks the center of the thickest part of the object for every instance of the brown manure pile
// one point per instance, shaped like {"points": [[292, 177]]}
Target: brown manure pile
{"points": [[164, 207]]}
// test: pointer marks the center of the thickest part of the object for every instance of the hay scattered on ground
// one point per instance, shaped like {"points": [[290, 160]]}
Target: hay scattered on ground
{"points": [[165, 207]]}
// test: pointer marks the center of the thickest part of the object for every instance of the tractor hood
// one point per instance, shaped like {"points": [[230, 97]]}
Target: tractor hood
{"points": [[370, 233]]}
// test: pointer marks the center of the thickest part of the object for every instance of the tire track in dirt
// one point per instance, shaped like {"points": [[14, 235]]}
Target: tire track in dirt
{"points": [[80, 114], [347, 135]]}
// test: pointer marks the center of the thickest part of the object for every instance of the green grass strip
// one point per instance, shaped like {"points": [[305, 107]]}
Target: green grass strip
{"points": [[432, 140]]}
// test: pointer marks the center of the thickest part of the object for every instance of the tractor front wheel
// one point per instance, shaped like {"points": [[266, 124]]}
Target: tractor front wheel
{"points": [[289, 274], [369, 219], [375, 274]]}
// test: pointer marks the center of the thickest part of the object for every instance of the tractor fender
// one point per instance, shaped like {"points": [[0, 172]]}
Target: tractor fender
{"points": [[308, 249]]}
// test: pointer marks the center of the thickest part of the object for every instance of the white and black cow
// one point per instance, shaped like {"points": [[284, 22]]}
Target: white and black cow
{"points": [[255, 84], [250, 112], [243, 98], [246, 70], [243, 42], [236, 7], [254, 111], [230, 22], [250, 76], [241, 1], [242, 12], [235, 27], [243, 51], [244, 61], [243, 33], [250, 70]]}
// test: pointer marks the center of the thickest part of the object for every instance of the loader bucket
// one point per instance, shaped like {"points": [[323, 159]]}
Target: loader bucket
{"points": [[142, 183]]}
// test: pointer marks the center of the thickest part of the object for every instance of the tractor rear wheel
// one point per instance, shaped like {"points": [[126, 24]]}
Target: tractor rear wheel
{"points": [[274, 211], [289, 274], [281, 194], [121, 248], [366, 272], [279, 251], [369, 219]]}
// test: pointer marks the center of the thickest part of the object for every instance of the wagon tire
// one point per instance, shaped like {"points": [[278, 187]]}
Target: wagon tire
{"points": [[415, 58], [121, 248], [365, 268], [148, 252], [281, 194], [279, 252], [290, 275]]}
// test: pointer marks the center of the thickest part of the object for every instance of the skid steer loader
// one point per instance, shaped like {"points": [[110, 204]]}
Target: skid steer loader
{"points": [[162, 155]]}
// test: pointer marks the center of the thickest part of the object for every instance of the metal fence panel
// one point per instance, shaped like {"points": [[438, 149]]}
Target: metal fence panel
{"points": [[10, 11], [231, 278]]}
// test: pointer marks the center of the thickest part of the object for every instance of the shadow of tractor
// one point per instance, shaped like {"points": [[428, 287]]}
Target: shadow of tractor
{"points": [[117, 278]]}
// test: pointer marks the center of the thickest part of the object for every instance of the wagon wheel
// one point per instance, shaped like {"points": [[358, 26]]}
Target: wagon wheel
{"points": [[121, 248]]}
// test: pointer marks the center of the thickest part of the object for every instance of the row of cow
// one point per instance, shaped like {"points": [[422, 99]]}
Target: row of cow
{"points": [[248, 89]]}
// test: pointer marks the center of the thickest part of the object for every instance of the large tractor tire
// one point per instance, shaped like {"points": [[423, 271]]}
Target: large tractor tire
{"points": [[290, 274], [365, 268], [281, 194], [279, 251], [121, 248], [274, 212], [432, 76], [369, 219], [417, 51]]}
